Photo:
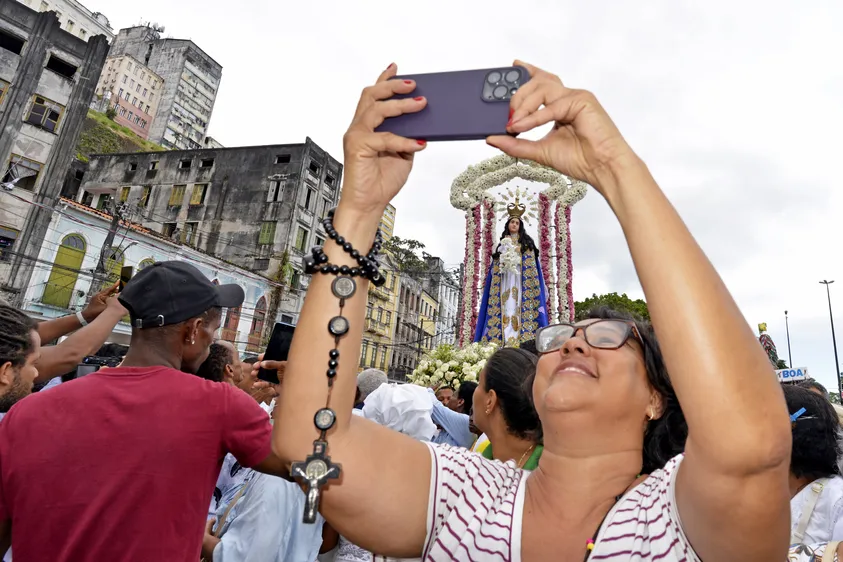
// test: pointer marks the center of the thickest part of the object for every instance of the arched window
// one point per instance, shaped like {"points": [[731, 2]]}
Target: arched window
{"points": [[145, 263], [65, 272], [232, 322], [259, 318]]}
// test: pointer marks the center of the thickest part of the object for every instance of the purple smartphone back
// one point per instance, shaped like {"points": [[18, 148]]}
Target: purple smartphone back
{"points": [[460, 105]]}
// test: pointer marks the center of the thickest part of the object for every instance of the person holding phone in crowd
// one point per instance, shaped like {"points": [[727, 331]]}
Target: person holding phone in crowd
{"points": [[604, 487]]}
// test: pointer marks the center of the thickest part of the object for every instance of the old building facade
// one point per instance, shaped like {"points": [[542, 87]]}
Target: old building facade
{"points": [[71, 250], [132, 90], [74, 18], [47, 79], [445, 285], [191, 81], [259, 208]]}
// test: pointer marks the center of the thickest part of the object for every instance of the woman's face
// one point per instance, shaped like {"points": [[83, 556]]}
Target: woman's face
{"points": [[480, 403], [609, 385], [514, 226]]}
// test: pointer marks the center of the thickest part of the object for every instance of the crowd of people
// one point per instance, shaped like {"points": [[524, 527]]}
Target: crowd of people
{"points": [[608, 439]]}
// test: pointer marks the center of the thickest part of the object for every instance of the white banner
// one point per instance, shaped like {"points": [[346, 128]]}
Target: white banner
{"points": [[788, 375]]}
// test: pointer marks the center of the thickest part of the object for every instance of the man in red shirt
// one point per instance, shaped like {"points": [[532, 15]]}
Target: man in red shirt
{"points": [[121, 464]]}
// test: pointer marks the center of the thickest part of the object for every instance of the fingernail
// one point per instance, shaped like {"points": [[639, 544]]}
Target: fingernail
{"points": [[421, 142], [420, 98], [390, 65], [408, 81], [511, 112]]}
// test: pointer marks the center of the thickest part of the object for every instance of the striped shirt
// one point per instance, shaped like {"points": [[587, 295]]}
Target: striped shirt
{"points": [[476, 506]]}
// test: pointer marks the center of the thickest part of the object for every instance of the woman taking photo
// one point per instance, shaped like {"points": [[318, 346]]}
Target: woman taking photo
{"points": [[727, 495]]}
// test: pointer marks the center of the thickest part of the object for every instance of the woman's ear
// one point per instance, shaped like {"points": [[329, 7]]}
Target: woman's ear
{"points": [[655, 409]]}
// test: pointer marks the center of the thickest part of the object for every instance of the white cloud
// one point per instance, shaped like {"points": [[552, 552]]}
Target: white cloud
{"points": [[734, 105]]}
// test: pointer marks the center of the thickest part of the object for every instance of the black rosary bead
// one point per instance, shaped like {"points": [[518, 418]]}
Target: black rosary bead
{"points": [[347, 247], [333, 364], [323, 257], [334, 269], [345, 270], [354, 254], [355, 272], [326, 269], [335, 354], [331, 373], [309, 264], [362, 260], [340, 241]]}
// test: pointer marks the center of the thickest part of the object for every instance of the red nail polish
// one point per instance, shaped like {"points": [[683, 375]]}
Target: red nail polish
{"points": [[421, 142], [420, 98], [408, 81], [511, 113], [390, 65]]}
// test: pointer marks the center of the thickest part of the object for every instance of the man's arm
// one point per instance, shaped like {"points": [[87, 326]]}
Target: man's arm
{"points": [[453, 423], [64, 357], [53, 329]]}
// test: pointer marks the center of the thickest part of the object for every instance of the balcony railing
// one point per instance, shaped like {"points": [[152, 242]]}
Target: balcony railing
{"points": [[376, 327], [229, 335], [379, 292], [254, 343]]}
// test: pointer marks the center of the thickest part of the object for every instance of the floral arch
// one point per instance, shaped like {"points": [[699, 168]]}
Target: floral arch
{"points": [[471, 193]]}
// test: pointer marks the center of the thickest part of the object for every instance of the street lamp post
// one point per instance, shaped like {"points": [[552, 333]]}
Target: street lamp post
{"points": [[833, 338], [787, 327]]}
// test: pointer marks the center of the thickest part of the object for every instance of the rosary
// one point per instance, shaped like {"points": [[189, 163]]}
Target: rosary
{"points": [[315, 471]]}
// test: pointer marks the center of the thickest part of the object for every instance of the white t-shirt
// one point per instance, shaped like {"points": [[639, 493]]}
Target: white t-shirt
{"points": [[476, 507], [826, 523]]}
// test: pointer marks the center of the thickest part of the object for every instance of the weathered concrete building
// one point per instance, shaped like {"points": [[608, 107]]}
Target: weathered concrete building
{"points": [[133, 90], [71, 251], [74, 18], [256, 207], [47, 79], [191, 81]]}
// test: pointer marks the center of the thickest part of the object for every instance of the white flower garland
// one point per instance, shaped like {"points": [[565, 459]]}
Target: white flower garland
{"points": [[468, 282], [563, 311]]}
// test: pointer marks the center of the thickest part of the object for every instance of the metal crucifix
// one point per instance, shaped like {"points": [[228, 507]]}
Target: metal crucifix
{"points": [[314, 472]]}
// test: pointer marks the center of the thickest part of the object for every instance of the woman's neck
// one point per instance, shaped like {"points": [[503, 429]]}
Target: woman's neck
{"points": [[506, 447], [797, 484]]}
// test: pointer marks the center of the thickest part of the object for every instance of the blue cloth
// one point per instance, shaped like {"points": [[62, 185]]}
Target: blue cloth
{"points": [[482, 317], [265, 525], [454, 426]]}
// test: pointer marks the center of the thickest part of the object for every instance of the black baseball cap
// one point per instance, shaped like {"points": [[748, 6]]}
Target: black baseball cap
{"points": [[170, 292]]}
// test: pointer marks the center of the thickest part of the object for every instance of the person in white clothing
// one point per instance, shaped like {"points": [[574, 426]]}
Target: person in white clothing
{"points": [[612, 483], [816, 507]]}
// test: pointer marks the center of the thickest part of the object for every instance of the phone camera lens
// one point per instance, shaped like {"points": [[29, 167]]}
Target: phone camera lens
{"points": [[512, 91], [493, 77], [513, 76], [500, 92]]}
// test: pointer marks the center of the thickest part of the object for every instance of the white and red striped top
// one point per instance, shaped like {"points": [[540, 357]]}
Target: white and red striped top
{"points": [[476, 508]]}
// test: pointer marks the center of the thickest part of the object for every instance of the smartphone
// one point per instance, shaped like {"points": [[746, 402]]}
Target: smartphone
{"points": [[465, 105], [126, 274], [277, 350], [83, 370]]}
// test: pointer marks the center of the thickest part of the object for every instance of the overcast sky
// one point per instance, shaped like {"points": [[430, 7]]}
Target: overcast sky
{"points": [[735, 106]]}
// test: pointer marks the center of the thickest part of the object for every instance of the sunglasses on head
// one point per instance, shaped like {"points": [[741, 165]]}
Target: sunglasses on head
{"points": [[602, 334]]}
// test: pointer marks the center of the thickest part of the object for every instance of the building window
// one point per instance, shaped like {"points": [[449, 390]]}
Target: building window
{"points": [[22, 172], [138, 89], [131, 114], [295, 280], [314, 168], [197, 197], [11, 42], [383, 358], [134, 101], [127, 96], [259, 319], [267, 234], [364, 351], [261, 264], [44, 114], [177, 196], [188, 235], [153, 165], [145, 263], [147, 109], [83, 33], [388, 318], [274, 191], [329, 179], [132, 84], [168, 229], [319, 241], [184, 165], [120, 93], [326, 206], [133, 166], [70, 25], [61, 67], [309, 199], [282, 159], [7, 240], [301, 238], [125, 78], [103, 201], [143, 75], [4, 87], [144, 198], [124, 194], [129, 67], [206, 163], [65, 272]]}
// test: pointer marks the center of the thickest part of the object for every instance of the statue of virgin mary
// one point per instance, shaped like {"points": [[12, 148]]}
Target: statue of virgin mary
{"points": [[514, 299]]}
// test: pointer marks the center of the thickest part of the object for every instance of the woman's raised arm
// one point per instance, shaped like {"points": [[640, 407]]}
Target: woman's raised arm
{"points": [[732, 488], [380, 499]]}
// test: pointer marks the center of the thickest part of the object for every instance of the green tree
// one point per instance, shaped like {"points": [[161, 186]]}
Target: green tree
{"points": [[617, 302], [111, 113], [782, 364], [405, 254]]}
